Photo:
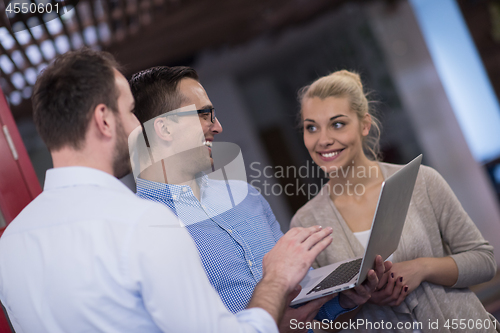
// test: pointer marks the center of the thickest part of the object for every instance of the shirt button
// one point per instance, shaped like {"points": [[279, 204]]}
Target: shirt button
{"points": [[174, 196], [203, 206], [249, 263], [184, 189], [230, 231]]}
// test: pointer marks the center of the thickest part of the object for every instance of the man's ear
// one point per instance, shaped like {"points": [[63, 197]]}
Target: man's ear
{"points": [[161, 129], [104, 120], [366, 124]]}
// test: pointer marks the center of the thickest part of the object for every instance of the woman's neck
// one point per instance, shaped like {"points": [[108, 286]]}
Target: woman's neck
{"points": [[355, 177]]}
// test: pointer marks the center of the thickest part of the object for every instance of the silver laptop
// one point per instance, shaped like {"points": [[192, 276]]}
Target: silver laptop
{"points": [[388, 222]]}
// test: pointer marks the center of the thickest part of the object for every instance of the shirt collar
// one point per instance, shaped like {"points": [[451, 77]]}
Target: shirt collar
{"points": [[169, 191], [79, 175]]}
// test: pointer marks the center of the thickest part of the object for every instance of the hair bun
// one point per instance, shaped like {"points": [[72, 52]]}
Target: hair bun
{"points": [[351, 75]]}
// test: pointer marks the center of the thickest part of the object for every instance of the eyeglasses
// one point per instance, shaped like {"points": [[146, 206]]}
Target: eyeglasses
{"points": [[206, 111]]}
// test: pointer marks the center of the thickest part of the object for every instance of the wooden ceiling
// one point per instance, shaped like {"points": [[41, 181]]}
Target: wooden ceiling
{"points": [[182, 29], [140, 33], [145, 33]]}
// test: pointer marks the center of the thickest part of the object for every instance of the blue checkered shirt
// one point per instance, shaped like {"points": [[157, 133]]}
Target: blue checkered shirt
{"points": [[232, 241]]}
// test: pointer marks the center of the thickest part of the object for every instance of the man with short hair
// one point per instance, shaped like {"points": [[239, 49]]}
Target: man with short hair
{"points": [[232, 225], [87, 255]]}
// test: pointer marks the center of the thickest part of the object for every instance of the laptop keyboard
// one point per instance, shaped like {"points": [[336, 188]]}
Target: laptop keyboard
{"points": [[342, 274]]}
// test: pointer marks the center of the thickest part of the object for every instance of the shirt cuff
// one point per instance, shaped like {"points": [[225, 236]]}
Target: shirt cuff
{"points": [[331, 310], [259, 318]]}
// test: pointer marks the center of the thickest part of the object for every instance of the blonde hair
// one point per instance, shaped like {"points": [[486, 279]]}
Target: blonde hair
{"points": [[348, 84]]}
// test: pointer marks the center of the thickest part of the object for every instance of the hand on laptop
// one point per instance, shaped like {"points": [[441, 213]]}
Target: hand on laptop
{"points": [[286, 265], [292, 256], [304, 313], [363, 292]]}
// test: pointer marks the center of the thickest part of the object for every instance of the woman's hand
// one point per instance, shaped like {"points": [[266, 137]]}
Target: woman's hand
{"points": [[441, 271], [362, 292], [391, 291], [404, 277], [413, 272]]}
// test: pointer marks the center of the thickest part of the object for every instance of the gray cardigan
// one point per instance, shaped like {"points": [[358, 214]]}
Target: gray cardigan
{"points": [[436, 226]]}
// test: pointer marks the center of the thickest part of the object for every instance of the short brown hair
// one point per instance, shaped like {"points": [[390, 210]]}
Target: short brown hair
{"points": [[66, 93], [155, 90]]}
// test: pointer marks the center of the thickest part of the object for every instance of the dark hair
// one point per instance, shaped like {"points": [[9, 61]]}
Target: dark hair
{"points": [[67, 92], [155, 90]]}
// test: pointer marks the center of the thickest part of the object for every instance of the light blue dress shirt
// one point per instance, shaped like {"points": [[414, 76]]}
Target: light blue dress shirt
{"points": [[232, 238], [87, 255]]}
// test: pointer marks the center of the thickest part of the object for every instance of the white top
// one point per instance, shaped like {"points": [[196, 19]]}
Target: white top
{"points": [[363, 237], [87, 255]]}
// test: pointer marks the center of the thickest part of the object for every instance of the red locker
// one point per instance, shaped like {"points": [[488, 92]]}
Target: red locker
{"points": [[18, 182]]}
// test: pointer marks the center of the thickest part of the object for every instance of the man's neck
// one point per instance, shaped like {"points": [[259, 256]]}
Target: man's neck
{"points": [[194, 187], [66, 157]]}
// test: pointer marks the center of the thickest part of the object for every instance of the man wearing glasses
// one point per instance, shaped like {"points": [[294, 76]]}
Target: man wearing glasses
{"points": [[232, 225], [87, 255]]}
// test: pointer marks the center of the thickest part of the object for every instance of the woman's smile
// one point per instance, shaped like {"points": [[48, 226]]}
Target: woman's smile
{"points": [[329, 155]]}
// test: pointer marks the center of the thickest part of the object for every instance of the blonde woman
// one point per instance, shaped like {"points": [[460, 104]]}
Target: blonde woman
{"points": [[441, 252]]}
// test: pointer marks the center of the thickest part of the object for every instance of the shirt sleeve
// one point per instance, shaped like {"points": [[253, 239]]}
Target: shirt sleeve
{"points": [[471, 252], [273, 223], [331, 310], [165, 270]]}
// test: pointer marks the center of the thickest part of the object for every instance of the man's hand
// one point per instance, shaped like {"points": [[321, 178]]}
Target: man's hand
{"points": [[286, 265], [363, 292], [292, 256], [303, 314]]}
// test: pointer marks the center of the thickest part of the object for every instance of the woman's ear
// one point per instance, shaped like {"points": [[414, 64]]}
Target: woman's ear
{"points": [[366, 124], [103, 119], [161, 129]]}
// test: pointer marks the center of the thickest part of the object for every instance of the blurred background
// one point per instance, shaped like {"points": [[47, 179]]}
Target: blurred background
{"points": [[432, 68]]}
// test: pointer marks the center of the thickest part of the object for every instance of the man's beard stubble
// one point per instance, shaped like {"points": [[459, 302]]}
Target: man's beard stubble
{"points": [[121, 159]]}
